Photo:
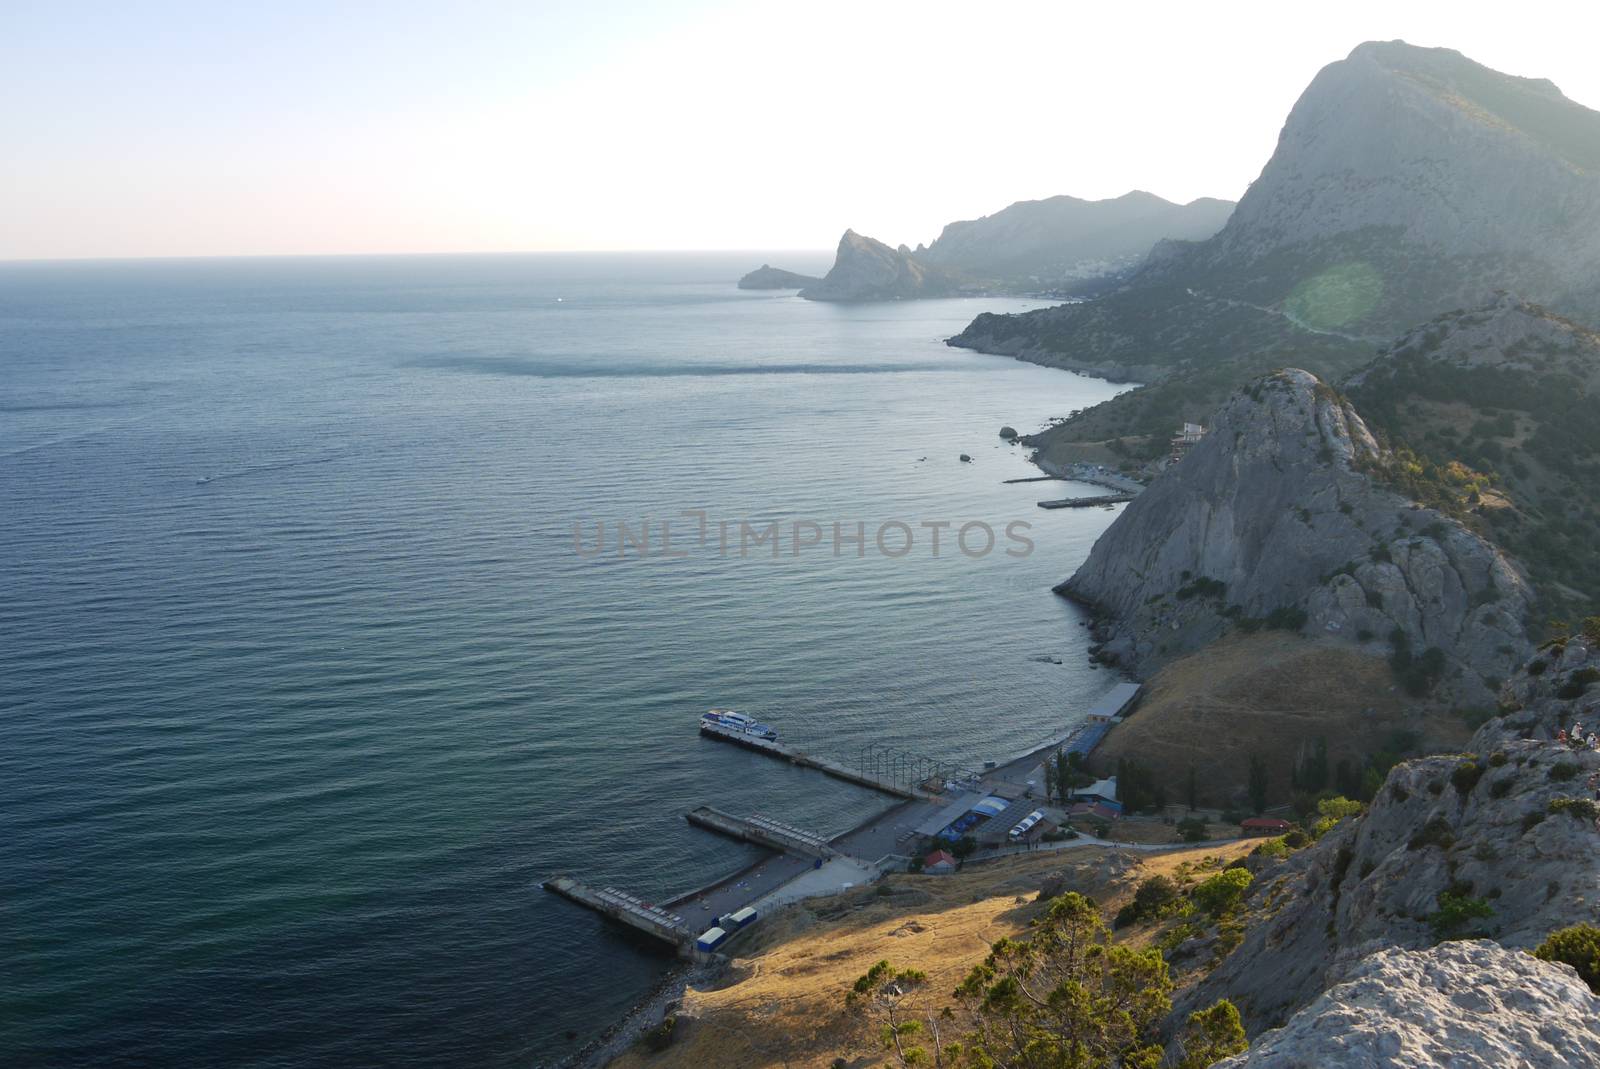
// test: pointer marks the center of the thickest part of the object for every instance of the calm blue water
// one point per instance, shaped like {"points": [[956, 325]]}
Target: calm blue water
{"points": [[285, 753]]}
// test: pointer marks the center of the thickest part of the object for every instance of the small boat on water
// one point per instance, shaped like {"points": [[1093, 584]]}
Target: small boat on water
{"points": [[728, 720]]}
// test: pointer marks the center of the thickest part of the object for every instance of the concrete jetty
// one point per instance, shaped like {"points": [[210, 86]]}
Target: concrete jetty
{"points": [[626, 909], [824, 765], [1086, 502], [763, 831]]}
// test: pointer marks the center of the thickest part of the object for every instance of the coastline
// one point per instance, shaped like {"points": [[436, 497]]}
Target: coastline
{"points": [[615, 1040]]}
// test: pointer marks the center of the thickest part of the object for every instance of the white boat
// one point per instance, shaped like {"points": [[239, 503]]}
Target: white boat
{"points": [[728, 720]]}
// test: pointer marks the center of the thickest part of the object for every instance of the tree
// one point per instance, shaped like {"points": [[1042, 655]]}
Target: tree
{"points": [[1193, 829], [1213, 1034], [1222, 892], [1578, 946], [1258, 783], [1051, 777], [1065, 997], [1193, 791], [893, 1001]]}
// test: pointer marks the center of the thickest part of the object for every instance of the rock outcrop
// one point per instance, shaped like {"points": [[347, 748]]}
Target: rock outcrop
{"points": [[1271, 521], [1463, 1005], [1507, 829], [767, 277], [868, 270]]}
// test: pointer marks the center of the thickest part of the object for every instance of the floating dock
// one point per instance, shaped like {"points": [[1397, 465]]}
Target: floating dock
{"points": [[625, 909], [821, 764], [1087, 502], [763, 831]]}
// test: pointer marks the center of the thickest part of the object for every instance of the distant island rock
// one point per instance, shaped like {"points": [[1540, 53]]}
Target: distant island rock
{"points": [[767, 277], [865, 269]]}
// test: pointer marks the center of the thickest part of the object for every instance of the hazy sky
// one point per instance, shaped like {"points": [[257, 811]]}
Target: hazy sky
{"points": [[220, 128]]}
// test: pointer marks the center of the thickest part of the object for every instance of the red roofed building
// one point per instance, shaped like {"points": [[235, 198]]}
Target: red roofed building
{"points": [[1265, 826], [939, 863]]}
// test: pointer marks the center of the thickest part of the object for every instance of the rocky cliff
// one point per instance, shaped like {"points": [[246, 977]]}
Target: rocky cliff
{"points": [[1271, 521], [868, 270], [767, 277], [1464, 1005], [1406, 182], [1412, 180], [1500, 842]]}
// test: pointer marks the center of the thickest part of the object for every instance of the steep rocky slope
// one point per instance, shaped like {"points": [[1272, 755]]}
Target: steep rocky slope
{"points": [[869, 270], [1406, 182], [1489, 415], [1501, 842], [1465, 1005], [1270, 521], [1062, 239]]}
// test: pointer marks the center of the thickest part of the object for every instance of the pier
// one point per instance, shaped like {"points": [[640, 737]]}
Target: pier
{"points": [[859, 777], [626, 909], [763, 831], [1087, 502]]}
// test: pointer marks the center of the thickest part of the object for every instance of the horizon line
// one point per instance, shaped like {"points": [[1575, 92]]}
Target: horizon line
{"points": [[191, 257]]}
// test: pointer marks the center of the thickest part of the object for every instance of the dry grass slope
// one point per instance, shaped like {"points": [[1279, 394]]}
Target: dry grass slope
{"points": [[783, 1003]]}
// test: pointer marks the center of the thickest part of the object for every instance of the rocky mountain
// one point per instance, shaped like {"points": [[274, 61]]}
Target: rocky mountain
{"points": [[1047, 242], [1406, 182], [1026, 247], [1488, 414], [767, 277], [868, 270], [1500, 842], [1462, 1005], [1274, 520]]}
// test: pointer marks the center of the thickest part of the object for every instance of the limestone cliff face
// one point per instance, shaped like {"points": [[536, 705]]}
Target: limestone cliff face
{"points": [[1271, 519], [869, 270], [1478, 825], [1463, 1005], [1497, 174]]}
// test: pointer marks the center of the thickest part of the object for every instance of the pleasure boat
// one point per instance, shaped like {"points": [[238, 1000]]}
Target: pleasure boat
{"points": [[728, 720]]}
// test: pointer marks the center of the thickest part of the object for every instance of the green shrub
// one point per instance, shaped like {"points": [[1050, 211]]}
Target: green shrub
{"points": [[1531, 820], [1580, 808], [1562, 771], [1193, 829], [1466, 776], [1434, 833], [1221, 892], [1454, 913], [660, 1037], [1577, 946]]}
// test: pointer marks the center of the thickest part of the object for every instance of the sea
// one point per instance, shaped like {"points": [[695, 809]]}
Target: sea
{"points": [[343, 600]]}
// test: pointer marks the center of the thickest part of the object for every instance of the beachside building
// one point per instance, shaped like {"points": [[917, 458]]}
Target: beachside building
{"points": [[1115, 703], [1264, 826], [939, 863]]}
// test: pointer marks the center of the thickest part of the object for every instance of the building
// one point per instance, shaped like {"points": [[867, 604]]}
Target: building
{"points": [[1188, 435], [1114, 703], [1264, 826], [1100, 792], [939, 863]]}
